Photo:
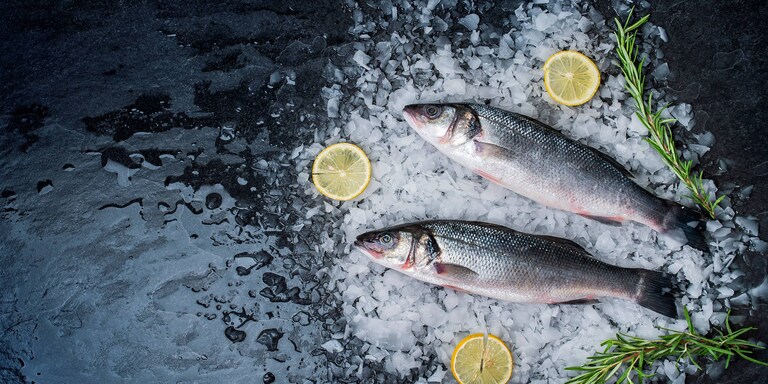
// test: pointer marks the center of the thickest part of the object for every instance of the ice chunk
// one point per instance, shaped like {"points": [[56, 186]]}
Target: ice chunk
{"points": [[403, 363], [505, 50], [400, 98], [275, 78], [432, 315], [390, 335], [713, 225], [724, 292], [742, 299], [444, 64], [357, 215], [394, 279], [332, 108], [474, 62], [746, 191], [470, 21], [700, 150], [451, 300], [749, 224], [759, 245], [474, 38], [543, 52], [544, 20], [361, 59], [438, 376], [455, 86], [682, 113], [661, 72], [636, 126], [332, 346], [700, 318], [761, 290], [585, 24], [605, 243], [671, 370], [663, 34]]}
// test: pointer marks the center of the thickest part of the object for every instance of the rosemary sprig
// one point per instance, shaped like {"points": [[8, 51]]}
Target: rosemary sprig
{"points": [[628, 356], [661, 137]]}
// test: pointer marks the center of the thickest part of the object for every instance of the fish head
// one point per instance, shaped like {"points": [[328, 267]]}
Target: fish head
{"points": [[389, 247], [408, 247], [443, 125], [430, 120]]}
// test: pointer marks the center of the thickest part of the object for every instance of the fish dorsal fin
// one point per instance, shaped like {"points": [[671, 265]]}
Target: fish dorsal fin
{"points": [[454, 271], [564, 242]]}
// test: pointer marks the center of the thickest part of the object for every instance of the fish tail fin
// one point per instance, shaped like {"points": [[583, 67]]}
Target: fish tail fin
{"points": [[655, 291], [676, 223]]}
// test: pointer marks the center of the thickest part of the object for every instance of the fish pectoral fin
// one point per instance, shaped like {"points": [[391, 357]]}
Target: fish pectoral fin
{"points": [[454, 271], [485, 149], [578, 301], [605, 220]]}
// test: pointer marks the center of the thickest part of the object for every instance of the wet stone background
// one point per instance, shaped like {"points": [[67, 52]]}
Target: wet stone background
{"points": [[718, 54], [151, 223]]}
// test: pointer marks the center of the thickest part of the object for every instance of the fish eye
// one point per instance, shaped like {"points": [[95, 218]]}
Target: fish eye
{"points": [[386, 239], [433, 111]]}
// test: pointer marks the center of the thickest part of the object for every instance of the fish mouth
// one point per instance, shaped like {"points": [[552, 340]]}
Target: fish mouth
{"points": [[412, 116], [360, 243]]}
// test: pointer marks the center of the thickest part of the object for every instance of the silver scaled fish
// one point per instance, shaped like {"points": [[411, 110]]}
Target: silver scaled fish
{"points": [[536, 161], [498, 262]]}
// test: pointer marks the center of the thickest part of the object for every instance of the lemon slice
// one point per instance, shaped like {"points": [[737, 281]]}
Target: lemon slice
{"points": [[571, 78], [482, 360], [342, 171]]}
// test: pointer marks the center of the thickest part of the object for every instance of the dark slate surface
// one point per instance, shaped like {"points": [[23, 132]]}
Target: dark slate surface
{"points": [[719, 55]]}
